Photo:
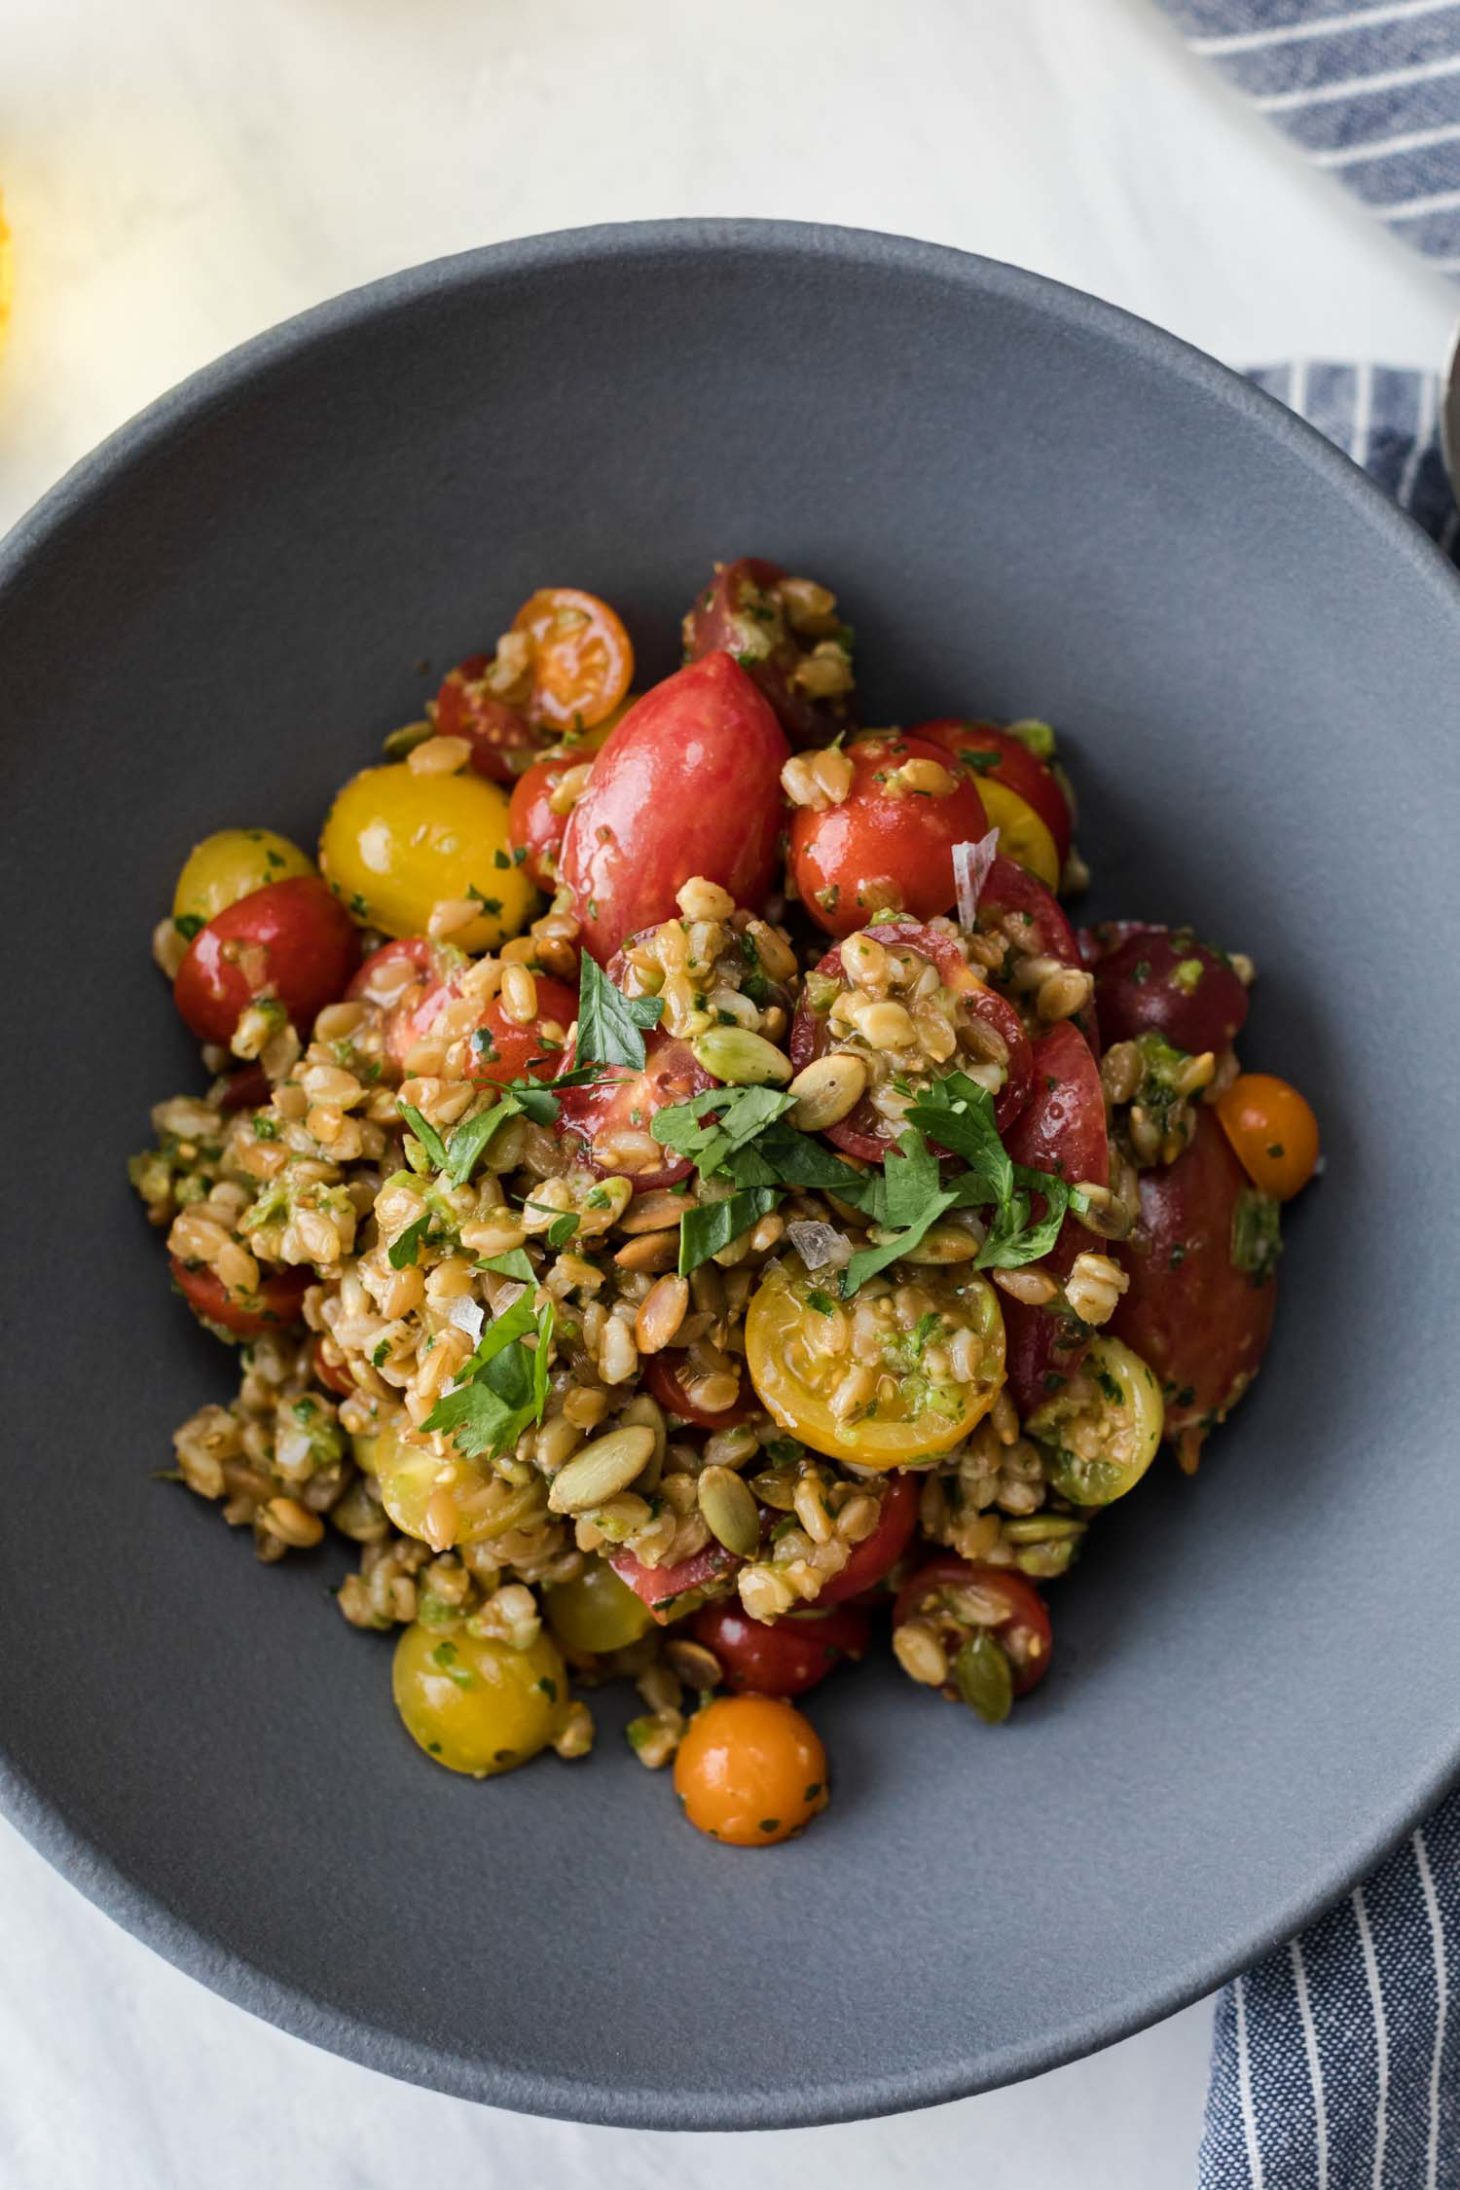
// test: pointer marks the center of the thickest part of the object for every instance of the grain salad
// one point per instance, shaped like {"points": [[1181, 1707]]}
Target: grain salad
{"points": [[688, 1206]]}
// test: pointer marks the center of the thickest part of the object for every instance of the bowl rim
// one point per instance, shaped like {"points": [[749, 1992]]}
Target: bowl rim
{"points": [[43, 1821]]}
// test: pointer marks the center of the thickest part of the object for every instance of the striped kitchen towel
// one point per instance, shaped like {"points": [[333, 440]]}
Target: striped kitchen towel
{"points": [[1336, 2061], [1369, 88]]}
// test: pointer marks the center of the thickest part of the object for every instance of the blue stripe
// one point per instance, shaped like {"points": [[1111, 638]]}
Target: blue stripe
{"points": [[1308, 63]]}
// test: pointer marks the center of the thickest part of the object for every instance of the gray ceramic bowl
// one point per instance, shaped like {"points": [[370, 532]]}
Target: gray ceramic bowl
{"points": [[1030, 504]]}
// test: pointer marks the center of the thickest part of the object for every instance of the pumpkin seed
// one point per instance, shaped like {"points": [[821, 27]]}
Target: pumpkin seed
{"points": [[984, 1678], [730, 1511], [740, 1058], [601, 1470], [1044, 1528], [696, 1666], [826, 1090]]}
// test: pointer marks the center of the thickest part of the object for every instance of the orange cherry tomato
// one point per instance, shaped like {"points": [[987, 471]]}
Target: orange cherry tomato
{"points": [[278, 1302], [582, 661], [1273, 1130], [750, 1770]]}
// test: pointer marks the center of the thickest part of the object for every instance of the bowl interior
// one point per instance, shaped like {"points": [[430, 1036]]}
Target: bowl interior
{"points": [[1029, 506]]}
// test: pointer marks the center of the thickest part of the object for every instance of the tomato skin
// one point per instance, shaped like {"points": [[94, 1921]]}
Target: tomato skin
{"points": [[278, 1302], [1026, 1628], [1023, 772], [532, 826], [1064, 1131], [662, 1375], [1201, 1323], [229, 865], [672, 1591], [516, 1052], [248, 1089], [874, 1558], [336, 1380], [582, 661], [395, 843], [735, 614], [785, 1657], [1273, 1131], [625, 1100], [879, 853], [750, 1771], [502, 742], [509, 1052], [864, 1131], [400, 976], [305, 944], [1138, 991], [689, 783]]}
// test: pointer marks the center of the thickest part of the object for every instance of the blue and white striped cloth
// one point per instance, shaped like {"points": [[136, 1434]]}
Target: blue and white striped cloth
{"points": [[1368, 88], [1336, 2061]]}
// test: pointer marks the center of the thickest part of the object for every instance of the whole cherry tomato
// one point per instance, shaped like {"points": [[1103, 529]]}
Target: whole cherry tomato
{"points": [[874, 1558], [533, 828], [414, 980], [963, 1601], [785, 1657], [502, 741], [666, 1378], [1162, 981], [979, 1014], [750, 1770], [278, 1302], [1063, 1130], [395, 844], [230, 864], [688, 784], [772, 624], [610, 1116], [888, 847], [672, 1591], [582, 662], [1273, 1130], [292, 940], [1201, 1263], [399, 977], [333, 1375], [993, 755]]}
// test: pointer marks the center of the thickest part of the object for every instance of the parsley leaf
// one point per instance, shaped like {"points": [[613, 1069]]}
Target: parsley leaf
{"points": [[426, 1134], [911, 1180], [703, 1232], [401, 1254], [504, 1388], [712, 1126], [1014, 1239], [514, 1264], [959, 1115], [610, 1024], [468, 1144]]}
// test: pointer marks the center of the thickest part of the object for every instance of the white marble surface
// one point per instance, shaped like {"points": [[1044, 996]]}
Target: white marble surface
{"points": [[180, 175]]}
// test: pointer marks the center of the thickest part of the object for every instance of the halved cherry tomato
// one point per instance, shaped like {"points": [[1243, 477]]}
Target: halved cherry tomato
{"points": [[501, 1050], [278, 1302], [747, 611], [502, 741], [888, 847], [292, 940], [688, 784], [672, 1591], [962, 1599], [1273, 1130], [624, 1101], [665, 1376], [532, 826], [864, 1131], [582, 662], [413, 980], [333, 1375], [875, 1557], [1152, 980], [750, 1770], [993, 755], [1063, 1130], [785, 1657], [1202, 1292], [915, 1404]]}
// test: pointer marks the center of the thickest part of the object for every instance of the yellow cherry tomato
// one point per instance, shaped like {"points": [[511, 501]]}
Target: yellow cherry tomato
{"points": [[597, 1612], [445, 1502], [1273, 1130], [397, 844], [750, 1770], [229, 865], [937, 1368], [1023, 836], [1100, 1434], [475, 1704]]}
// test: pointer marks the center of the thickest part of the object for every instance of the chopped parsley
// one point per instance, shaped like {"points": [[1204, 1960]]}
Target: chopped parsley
{"points": [[503, 1389], [611, 1025]]}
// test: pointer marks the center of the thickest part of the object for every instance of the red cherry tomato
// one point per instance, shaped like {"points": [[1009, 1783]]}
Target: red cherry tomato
{"points": [[291, 939], [672, 1591], [1024, 1630], [334, 1378], [888, 847], [780, 1657], [413, 981], [742, 612], [502, 1050], [1200, 1320], [502, 741], [623, 1102], [1064, 1131], [864, 1131], [689, 783], [664, 1375], [874, 1558], [278, 1302], [532, 827], [400, 977], [1162, 981], [1016, 905], [989, 752], [247, 1089]]}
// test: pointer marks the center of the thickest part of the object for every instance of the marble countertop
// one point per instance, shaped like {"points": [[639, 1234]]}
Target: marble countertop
{"points": [[180, 176]]}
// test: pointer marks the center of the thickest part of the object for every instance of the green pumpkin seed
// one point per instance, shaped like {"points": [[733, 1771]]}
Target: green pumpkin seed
{"points": [[730, 1511], [601, 1470], [984, 1678], [1044, 1528], [1044, 1562], [740, 1058]]}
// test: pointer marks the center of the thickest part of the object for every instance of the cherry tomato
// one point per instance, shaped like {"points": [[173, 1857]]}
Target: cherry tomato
{"points": [[665, 1376], [785, 1657], [278, 1302], [688, 784], [1202, 1291], [595, 1612], [1016, 905], [1101, 1432], [247, 1089], [1162, 981], [333, 1375], [1273, 1130], [934, 1379], [401, 977], [534, 829], [747, 611], [230, 864], [493, 1049], [502, 741], [672, 1591], [888, 847], [396, 844], [1064, 1131], [291, 940], [611, 1116], [967, 1605], [477, 1705], [582, 662], [750, 1770], [910, 949], [874, 1558], [996, 756]]}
